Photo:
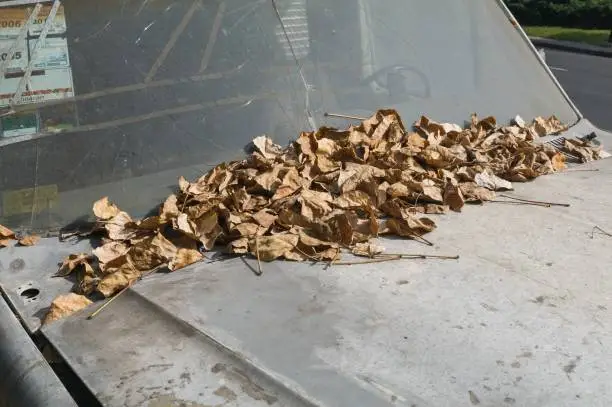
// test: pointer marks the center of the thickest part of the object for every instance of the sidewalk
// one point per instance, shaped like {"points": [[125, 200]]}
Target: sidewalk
{"points": [[571, 46]]}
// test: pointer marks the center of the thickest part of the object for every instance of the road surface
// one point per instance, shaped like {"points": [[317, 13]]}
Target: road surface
{"points": [[588, 81]]}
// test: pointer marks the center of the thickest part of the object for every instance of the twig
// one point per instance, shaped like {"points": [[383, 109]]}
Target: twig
{"points": [[110, 300], [582, 170], [602, 232], [379, 260], [259, 271], [422, 239], [344, 116], [418, 256], [536, 202], [520, 203]]}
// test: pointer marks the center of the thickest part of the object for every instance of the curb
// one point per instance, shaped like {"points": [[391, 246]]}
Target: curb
{"points": [[572, 47]]}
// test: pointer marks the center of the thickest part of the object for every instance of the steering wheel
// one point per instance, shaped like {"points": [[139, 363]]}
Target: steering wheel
{"points": [[395, 83]]}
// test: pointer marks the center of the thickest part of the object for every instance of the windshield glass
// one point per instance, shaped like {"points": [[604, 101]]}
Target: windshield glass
{"points": [[119, 97]]}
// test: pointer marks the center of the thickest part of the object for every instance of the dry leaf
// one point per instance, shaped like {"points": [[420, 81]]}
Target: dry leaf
{"points": [[474, 193], [169, 209], [71, 262], [29, 240], [4, 242], [487, 179], [268, 248], [453, 197], [265, 218], [367, 249], [104, 209], [120, 227], [117, 281], [266, 147], [558, 162], [6, 233], [110, 251], [184, 258], [66, 305]]}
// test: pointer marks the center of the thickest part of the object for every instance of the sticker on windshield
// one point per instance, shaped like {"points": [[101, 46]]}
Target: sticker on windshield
{"points": [[34, 60], [27, 200]]}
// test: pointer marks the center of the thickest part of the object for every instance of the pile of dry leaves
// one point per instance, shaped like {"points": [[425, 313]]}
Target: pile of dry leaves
{"points": [[329, 190]]}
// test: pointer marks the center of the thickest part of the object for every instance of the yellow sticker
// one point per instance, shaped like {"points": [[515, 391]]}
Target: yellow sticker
{"points": [[22, 200]]}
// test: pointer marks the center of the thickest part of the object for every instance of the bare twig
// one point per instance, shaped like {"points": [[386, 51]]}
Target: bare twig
{"points": [[379, 260], [417, 256], [109, 301], [520, 203], [582, 170], [536, 202], [422, 240], [344, 116], [259, 271], [601, 232]]}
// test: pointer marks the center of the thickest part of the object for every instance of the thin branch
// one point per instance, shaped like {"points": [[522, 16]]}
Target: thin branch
{"points": [[417, 256], [344, 116], [370, 261], [536, 202], [601, 232], [259, 271], [520, 203], [109, 301]]}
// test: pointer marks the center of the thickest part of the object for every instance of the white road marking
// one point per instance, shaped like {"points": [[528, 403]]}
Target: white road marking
{"points": [[554, 68]]}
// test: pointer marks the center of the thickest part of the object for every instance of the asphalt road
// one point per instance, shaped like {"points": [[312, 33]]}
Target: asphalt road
{"points": [[588, 81]]}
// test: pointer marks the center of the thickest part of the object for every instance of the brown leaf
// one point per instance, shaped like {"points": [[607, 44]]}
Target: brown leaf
{"points": [[66, 305], [306, 239], [432, 209], [184, 258], [29, 240], [239, 246], [315, 204], [87, 280], [71, 262], [353, 200], [490, 181], [169, 209], [117, 281], [558, 162], [266, 147], [367, 249], [353, 175], [4, 242], [290, 184], [104, 209], [265, 218], [453, 197], [120, 227], [474, 193], [269, 248], [408, 227], [6, 233]]}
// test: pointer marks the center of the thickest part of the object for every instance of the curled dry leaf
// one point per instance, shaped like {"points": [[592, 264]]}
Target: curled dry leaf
{"points": [[6, 233], [104, 209], [29, 240], [184, 258], [367, 249], [65, 305], [487, 179], [453, 197], [71, 262], [268, 248]]}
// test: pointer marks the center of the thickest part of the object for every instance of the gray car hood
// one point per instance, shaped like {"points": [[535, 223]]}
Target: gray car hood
{"points": [[523, 317]]}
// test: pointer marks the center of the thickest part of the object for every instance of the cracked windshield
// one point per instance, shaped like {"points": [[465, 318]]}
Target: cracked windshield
{"points": [[119, 98]]}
